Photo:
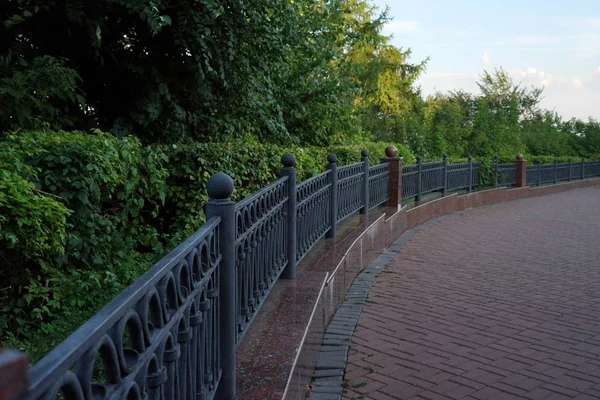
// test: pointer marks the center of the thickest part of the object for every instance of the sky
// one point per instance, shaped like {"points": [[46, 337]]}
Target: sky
{"points": [[549, 43]]}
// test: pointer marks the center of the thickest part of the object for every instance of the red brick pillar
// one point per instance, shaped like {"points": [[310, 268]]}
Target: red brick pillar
{"points": [[521, 171], [395, 185], [13, 374]]}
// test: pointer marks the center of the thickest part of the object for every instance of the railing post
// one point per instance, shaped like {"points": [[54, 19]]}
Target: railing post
{"points": [[365, 159], [445, 184], [419, 170], [470, 174], [220, 187], [395, 181], [555, 171], [495, 171], [333, 204], [570, 173], [289, 169], [13, 374], [539, 180], [521, 171], [582, 168]]}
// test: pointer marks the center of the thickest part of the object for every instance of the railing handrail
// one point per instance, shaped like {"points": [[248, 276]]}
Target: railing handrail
{"points": [[58, 361], [247, 200], [358, 186]]}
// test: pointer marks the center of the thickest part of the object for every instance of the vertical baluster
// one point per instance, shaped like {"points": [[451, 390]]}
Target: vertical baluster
{"points": [[470, 174], [496, 171], [333, 204], [289, 169], [582, 169], [184, 335], [365, 189], [570, 172], [555, 171], [220, 187], [445, 175], [419, 171]]}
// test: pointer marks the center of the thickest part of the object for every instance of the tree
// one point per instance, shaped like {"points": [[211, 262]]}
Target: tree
{"points": [[499, 90]]}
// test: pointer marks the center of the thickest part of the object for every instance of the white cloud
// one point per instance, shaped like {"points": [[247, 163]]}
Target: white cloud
{"points": [[577, 84], [486, 58]]}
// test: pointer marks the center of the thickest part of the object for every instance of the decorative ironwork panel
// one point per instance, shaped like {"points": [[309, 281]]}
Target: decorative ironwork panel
{"points": [[432, 176], [379, 178], [313, 198], [158, 339], [458, 176], [261, 247], [562, 170], [507, 174], [576, 170], [410, 180], [350, 186], [476, 173], [531, 174], [592, 168], [547, 173]]}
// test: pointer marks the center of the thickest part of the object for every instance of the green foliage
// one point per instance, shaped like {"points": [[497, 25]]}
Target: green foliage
{"points": [[77, 215], [37, 92], [252, 165], [205, 86]]}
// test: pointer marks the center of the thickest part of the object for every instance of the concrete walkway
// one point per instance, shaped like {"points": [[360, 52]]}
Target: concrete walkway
{"points": [[501, 302]]}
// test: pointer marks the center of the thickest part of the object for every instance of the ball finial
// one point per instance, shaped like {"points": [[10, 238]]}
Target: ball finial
{"points": [[391, 151], [364, 153], [470, 158], [332, 158], [520, 157], [288, 160], [219, 186]]}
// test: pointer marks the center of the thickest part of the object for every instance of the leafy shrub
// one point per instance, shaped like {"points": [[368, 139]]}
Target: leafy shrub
{"points": [[77, 217], [250, 163]]}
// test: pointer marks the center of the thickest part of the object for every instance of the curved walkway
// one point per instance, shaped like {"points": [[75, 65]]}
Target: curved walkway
{"points": [[501, 302]]}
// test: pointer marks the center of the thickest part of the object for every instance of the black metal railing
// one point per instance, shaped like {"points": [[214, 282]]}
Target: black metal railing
{"points": [[379, 178], [260, 247], [173, 333], [312, 213], [159, 338], [421, 178], [350, 183], [539, 174], [505, 174], [410, 180]]}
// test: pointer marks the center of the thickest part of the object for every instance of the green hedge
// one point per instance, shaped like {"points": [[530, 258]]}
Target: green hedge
{"points": [[82, 215]]}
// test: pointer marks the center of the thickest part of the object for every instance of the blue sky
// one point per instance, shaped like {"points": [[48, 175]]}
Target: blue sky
{"points": [[554, 44]]}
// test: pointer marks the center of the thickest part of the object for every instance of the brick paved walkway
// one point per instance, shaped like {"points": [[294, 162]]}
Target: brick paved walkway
{"points": [[501, 302]]}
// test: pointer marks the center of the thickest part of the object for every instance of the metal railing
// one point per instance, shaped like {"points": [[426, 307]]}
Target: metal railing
{"points": [[159, 337], [539, 174], [173, 332], [505, 174], [421, 178], [350, 183], [312, 212], [260, 247], [379, 178]]}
